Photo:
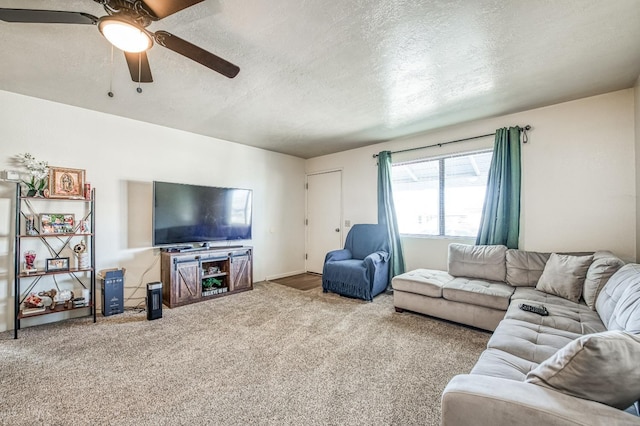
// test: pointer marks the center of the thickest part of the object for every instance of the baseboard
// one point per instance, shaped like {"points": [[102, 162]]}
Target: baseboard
{"points": [[286, 274]]}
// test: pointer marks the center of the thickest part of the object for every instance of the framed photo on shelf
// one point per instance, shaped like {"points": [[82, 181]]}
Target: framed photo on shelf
{"points": [[54, 223], [57, 264], [66, 183]]}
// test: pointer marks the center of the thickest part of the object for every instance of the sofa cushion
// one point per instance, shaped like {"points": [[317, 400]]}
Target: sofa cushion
{"points": [[567, 320], [540, 297], [529, 341], [600, 367], [484, 262], [427, 282], [604, 265], [497, 363], [490, 294], [524, 268], [535, 338], [564, 275], [619, 301]]}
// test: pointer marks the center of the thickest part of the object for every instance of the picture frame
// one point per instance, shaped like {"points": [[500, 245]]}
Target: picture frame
{"points": [[57, 223], [66, 183], [54, 264]]}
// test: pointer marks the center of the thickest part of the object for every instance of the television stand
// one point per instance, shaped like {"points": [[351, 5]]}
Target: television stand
{"points": [[199, 273]]}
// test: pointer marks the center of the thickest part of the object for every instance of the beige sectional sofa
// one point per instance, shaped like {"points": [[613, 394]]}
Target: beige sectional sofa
{"points": [[579, 365]]}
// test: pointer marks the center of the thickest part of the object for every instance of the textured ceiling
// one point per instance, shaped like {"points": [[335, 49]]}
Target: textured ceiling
{"points": [[318, 77]]}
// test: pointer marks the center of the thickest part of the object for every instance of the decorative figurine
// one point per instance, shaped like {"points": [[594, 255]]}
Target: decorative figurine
{"points": [[84, 227], [80, 250], [49, 298], [63, 297]]}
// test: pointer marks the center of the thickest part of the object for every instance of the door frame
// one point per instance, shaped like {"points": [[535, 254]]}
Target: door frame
{"points": [[306, 209]]}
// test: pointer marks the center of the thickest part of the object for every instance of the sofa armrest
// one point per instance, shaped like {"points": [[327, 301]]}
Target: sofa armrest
{"points": [[337, 255], [473, 399]]}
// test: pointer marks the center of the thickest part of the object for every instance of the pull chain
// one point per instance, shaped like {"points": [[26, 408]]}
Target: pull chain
{"points": [[110, 93], [139, 89]]}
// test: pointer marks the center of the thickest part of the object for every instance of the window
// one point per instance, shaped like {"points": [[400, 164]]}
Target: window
{"points": [[441, 196]]}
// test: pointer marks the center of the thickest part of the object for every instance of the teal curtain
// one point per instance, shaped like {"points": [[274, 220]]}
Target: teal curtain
{"points": [[500, 223], [387, 215]]}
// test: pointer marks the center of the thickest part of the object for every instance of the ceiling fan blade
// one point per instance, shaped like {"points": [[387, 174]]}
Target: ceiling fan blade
{"points": [[139, 67], [164, 8], [46, 16], [196, 53]]}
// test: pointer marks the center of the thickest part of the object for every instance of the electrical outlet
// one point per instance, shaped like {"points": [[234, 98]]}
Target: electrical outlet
{"points": [[347, 223]]}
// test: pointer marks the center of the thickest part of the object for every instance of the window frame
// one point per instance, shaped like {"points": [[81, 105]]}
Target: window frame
{"points": [[441, 191]]}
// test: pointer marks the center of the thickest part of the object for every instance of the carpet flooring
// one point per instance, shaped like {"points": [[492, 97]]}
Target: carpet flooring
{"points": [[271, 356]]}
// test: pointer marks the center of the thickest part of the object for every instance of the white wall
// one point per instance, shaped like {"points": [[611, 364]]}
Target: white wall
{"points": [[578, 182], [122, 157], [637, 146]]}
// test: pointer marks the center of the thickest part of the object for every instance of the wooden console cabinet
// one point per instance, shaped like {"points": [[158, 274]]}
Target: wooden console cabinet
{"points": [[193, 276]]}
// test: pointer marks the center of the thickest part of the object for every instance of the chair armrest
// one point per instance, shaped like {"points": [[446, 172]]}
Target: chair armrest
{"points": [[337, 255], [484, 400], [372, 263], [377, 257]]}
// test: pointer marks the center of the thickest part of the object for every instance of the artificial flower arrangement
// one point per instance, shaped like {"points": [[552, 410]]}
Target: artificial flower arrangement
{"points": [[38, 171]]}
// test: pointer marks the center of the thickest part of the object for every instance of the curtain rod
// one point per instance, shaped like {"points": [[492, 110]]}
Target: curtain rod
{"points": [[526, 139]]}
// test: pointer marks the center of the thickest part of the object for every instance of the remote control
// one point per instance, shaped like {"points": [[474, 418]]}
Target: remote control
{"points": [[540, 310]]}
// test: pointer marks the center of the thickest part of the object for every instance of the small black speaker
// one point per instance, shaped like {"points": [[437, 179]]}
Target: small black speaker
{"points": [[154, 300]]}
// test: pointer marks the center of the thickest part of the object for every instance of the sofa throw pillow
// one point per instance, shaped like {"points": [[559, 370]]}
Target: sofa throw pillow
{"points": [[601, 367], [564, 275], [524, 268], [471, 261], [604, 265]]}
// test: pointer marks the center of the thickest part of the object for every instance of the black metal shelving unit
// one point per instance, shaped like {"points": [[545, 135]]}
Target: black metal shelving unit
{"points": [[82, 276]]}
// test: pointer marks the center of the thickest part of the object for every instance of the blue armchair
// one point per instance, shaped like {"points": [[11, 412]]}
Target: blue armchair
{"points": [[361, 269]]}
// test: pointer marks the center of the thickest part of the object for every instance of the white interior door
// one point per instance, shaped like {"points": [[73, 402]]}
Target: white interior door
{"points": [[324, 217]]}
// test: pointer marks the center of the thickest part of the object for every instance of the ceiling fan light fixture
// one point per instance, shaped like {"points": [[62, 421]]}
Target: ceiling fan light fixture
{"points": [[124, 35]]}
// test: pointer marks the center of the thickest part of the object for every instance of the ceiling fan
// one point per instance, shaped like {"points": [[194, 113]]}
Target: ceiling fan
{"points": [[125, 27]]}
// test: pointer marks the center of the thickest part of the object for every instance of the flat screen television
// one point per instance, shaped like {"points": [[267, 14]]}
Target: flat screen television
{"points": [[192, 214]]}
